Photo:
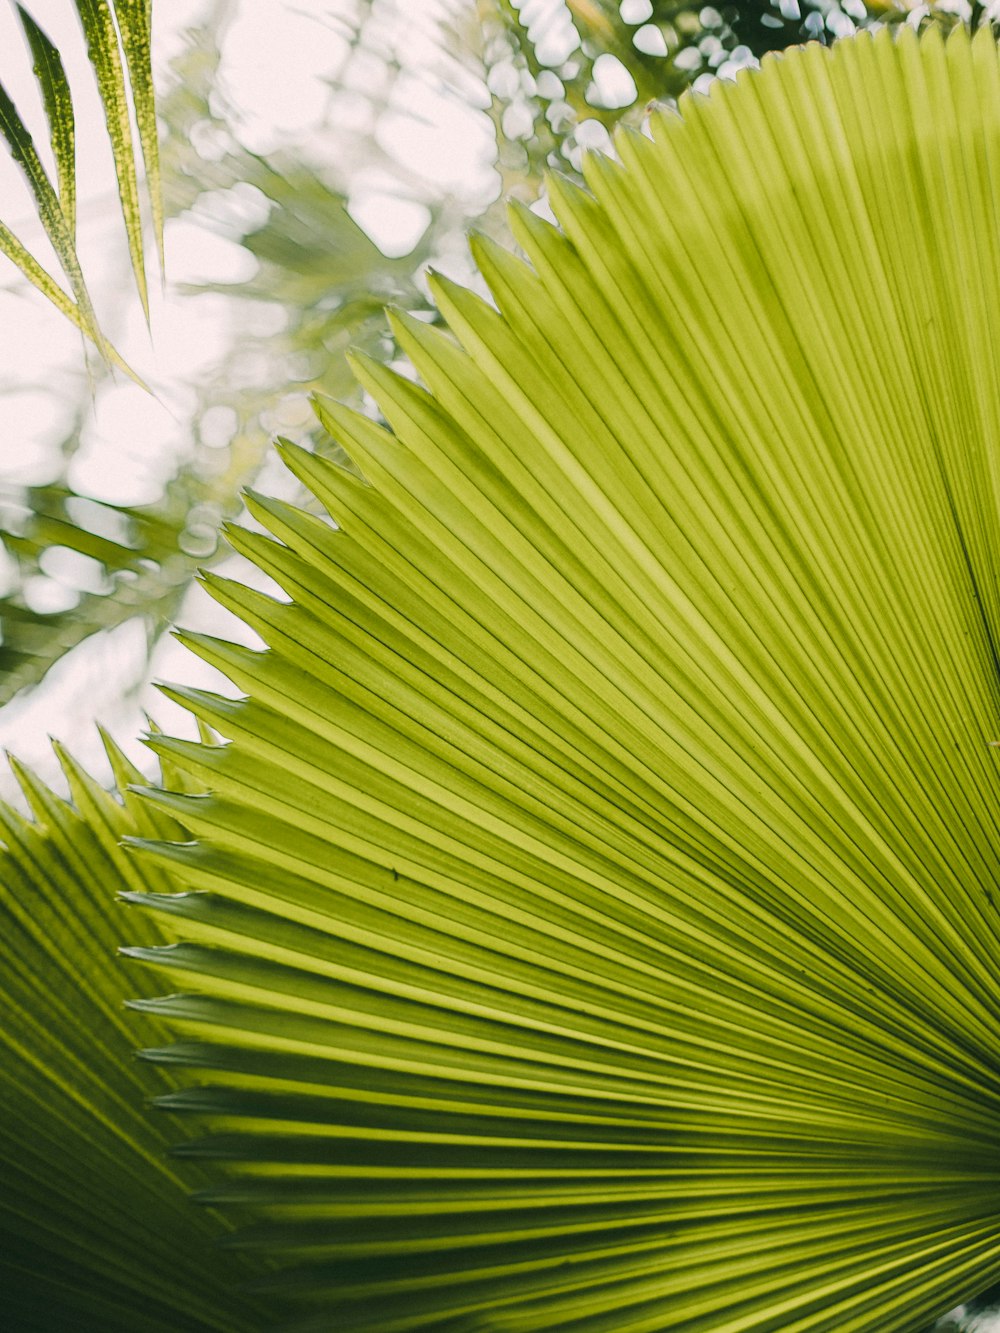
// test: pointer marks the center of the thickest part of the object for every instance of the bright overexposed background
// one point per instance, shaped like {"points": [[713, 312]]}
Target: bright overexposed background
{"points": [[291, 78]]}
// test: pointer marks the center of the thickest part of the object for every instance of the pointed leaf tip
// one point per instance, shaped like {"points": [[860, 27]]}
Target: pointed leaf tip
{"points": [[101, 36]]}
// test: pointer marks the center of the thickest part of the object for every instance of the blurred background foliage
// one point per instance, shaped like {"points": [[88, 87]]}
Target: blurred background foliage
{"points": [[541, 81]]}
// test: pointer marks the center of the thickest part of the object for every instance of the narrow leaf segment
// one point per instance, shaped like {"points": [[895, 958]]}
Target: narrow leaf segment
{"points": [[98, 22], [57, 211], [593, 924], [58, 105], [135, 24], [57, 226], [96, 1229]]}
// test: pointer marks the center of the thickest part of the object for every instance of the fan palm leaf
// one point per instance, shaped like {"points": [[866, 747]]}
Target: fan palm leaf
{"points": [[592, 924], [96, 1230]]}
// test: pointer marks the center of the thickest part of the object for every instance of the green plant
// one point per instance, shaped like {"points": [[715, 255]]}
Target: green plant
{"points": [[590, 921], [95, 1229], [113, 29], [320, 276]]}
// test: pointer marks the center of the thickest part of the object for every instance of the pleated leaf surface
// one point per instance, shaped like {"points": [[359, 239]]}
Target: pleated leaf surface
{"points": [[97, 1230], [592, 925]]}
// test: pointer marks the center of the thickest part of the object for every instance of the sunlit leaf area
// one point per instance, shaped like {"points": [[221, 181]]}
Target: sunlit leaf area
{"points": [[499, 666]]}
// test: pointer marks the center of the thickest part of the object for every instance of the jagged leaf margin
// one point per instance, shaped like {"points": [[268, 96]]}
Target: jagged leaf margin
{"points": [[596, 897]]}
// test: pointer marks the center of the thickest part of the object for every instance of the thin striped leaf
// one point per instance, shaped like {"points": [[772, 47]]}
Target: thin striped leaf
{"points": [[47, 285], [58, 104], [50, 212], [102, 45], [38, 277], [135, 24], [58, 211], [96, 1230], [592, 925]]}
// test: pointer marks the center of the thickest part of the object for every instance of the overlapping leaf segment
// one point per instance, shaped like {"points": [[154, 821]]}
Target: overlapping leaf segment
{"points": [[112, 29], [594, 923], [96, 1231]]}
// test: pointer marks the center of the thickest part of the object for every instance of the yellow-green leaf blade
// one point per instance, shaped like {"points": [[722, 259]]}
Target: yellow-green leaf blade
{"points": [[58, 103], [102, 45], [135, 23], [47, 285], [39, 278], [23, 150], [96, 1230], [593, 920]]}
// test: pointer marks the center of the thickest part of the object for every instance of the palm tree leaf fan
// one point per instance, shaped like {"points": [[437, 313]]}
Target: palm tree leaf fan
{"points": [[97, 1233], [593, 923]]}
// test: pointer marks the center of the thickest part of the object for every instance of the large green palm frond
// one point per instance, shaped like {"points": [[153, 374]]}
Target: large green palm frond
{"points": [[96, 1230], [594, 921]]}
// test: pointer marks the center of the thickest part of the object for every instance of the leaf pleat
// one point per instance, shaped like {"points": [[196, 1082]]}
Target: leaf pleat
{"points": [[592, 922], [96, 1230]]}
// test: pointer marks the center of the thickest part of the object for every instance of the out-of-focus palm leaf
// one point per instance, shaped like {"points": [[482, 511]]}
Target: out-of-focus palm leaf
{"points": [[333, 282], [57, 212], [321, 274], [145, 558], [593, 923], [330, 277], [96, 1229]]}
